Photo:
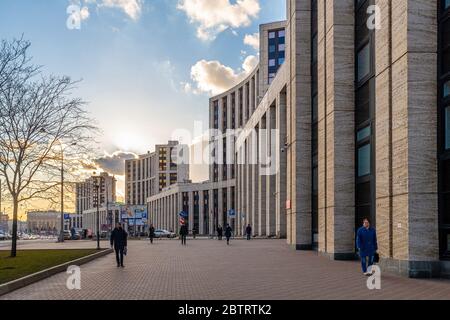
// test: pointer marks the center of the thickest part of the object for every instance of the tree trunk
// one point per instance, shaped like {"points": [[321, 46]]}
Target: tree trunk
{"points": [[14, 228]]}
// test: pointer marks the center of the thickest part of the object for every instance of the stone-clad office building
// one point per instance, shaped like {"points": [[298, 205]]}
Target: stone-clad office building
{"points": [[361, 108]]}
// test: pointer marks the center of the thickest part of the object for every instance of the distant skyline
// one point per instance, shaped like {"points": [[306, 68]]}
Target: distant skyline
{"points": [[147, 67]]}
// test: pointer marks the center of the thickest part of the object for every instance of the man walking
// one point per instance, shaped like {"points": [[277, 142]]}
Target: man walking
{"points": [[228, 232], [219, 232], [248, 232], [151, 233], [119, 243], [183, 234], [366, 241]]}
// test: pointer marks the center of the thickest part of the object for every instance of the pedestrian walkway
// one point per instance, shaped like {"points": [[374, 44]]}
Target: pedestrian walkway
{"points": [[257, 269]]}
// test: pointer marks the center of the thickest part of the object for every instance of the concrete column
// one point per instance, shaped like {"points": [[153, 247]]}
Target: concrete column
{"points": [[252, 97], [179, 208], [271, 177], [298, 152], [201, 212], [281, 163], [191, 210], [253, 177], [260, 228], [247, 177], [220, 210], [336, 64], [406, 130], [211, 211]]}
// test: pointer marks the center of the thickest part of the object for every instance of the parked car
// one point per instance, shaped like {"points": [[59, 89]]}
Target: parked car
{"points": [[76, 236], [67, 235], [160, 233], [3, 236]]}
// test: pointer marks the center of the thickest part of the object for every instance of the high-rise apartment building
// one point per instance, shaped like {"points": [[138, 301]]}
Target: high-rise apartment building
{"points": [[151, 173], [85, 192]]}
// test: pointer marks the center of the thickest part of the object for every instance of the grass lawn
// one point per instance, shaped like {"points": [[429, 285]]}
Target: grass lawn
{"points": [[31, 261]]}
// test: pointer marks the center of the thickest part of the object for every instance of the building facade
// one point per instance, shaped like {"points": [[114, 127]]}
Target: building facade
{"points": [[86, 192], [46, 222], [353, 121], [209, 204], [133, 217], [4, 219], [151, 173]]}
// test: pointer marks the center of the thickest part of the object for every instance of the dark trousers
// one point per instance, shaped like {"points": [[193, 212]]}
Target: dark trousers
{"points": [[119, 256], [366, 260], [183, 239], [219, 237], [248, 236], [228, 240], [151, 239]]}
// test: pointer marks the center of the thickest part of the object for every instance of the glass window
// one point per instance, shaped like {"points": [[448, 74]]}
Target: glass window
{"points": [[447, 128], [281, 33], [272, 35], [280, 61], [281, 47], [446, 4], [364, 62], [363, 133], [364, 160], [271, 48], [272, 63], [446, 90]]}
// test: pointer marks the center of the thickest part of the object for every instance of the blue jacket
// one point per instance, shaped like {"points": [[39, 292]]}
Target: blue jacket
{"points": [[366, 241]]}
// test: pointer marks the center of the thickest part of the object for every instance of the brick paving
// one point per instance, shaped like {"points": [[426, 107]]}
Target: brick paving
{"points": [[208, 269]]}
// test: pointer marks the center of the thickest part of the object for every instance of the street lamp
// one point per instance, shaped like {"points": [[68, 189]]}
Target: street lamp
{"points": [[97, 204], [61, 236]]}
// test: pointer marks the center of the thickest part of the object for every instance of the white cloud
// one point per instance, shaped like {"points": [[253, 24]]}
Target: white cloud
{"points": [[132, 8], [215, 16], [212, 77], [252, 40]]}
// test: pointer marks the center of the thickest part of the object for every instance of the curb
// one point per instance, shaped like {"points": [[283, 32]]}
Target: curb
{"points": [[41, 275]]}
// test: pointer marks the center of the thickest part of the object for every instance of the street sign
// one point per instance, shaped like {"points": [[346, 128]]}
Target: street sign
{"points": [[184, 214], [66, 216], [231, 213]]}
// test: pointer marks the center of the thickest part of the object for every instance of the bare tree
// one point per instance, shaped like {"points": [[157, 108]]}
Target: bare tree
{"points": [[39, 123]]}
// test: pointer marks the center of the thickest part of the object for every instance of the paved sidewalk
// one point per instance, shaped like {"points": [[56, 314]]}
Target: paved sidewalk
{"points": [[257, 269]]}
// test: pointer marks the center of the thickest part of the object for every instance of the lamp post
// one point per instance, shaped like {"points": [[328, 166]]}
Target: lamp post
{"points": [[61, 235], [97, 204]]}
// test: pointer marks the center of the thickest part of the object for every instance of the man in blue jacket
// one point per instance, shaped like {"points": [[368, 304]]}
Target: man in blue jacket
{"points": [[366, 241]]}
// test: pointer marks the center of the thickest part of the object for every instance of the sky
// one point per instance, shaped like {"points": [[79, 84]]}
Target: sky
{"points": [[147, 67]]}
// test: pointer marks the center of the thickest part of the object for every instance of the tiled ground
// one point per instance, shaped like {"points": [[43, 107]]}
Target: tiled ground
{"points": [[208, 269]]}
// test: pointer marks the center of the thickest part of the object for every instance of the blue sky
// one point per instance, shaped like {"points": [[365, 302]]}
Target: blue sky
{"points": [[133, 67]]}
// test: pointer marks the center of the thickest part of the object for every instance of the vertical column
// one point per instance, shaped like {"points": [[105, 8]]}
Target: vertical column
{"points": [[253, 177], [191, 209], [179, 208], [251, 97], [260, 228], [247, 177], [271, 177], [220, 207], [281, 160], [336, 128], [201, 210], [299, 213]]}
